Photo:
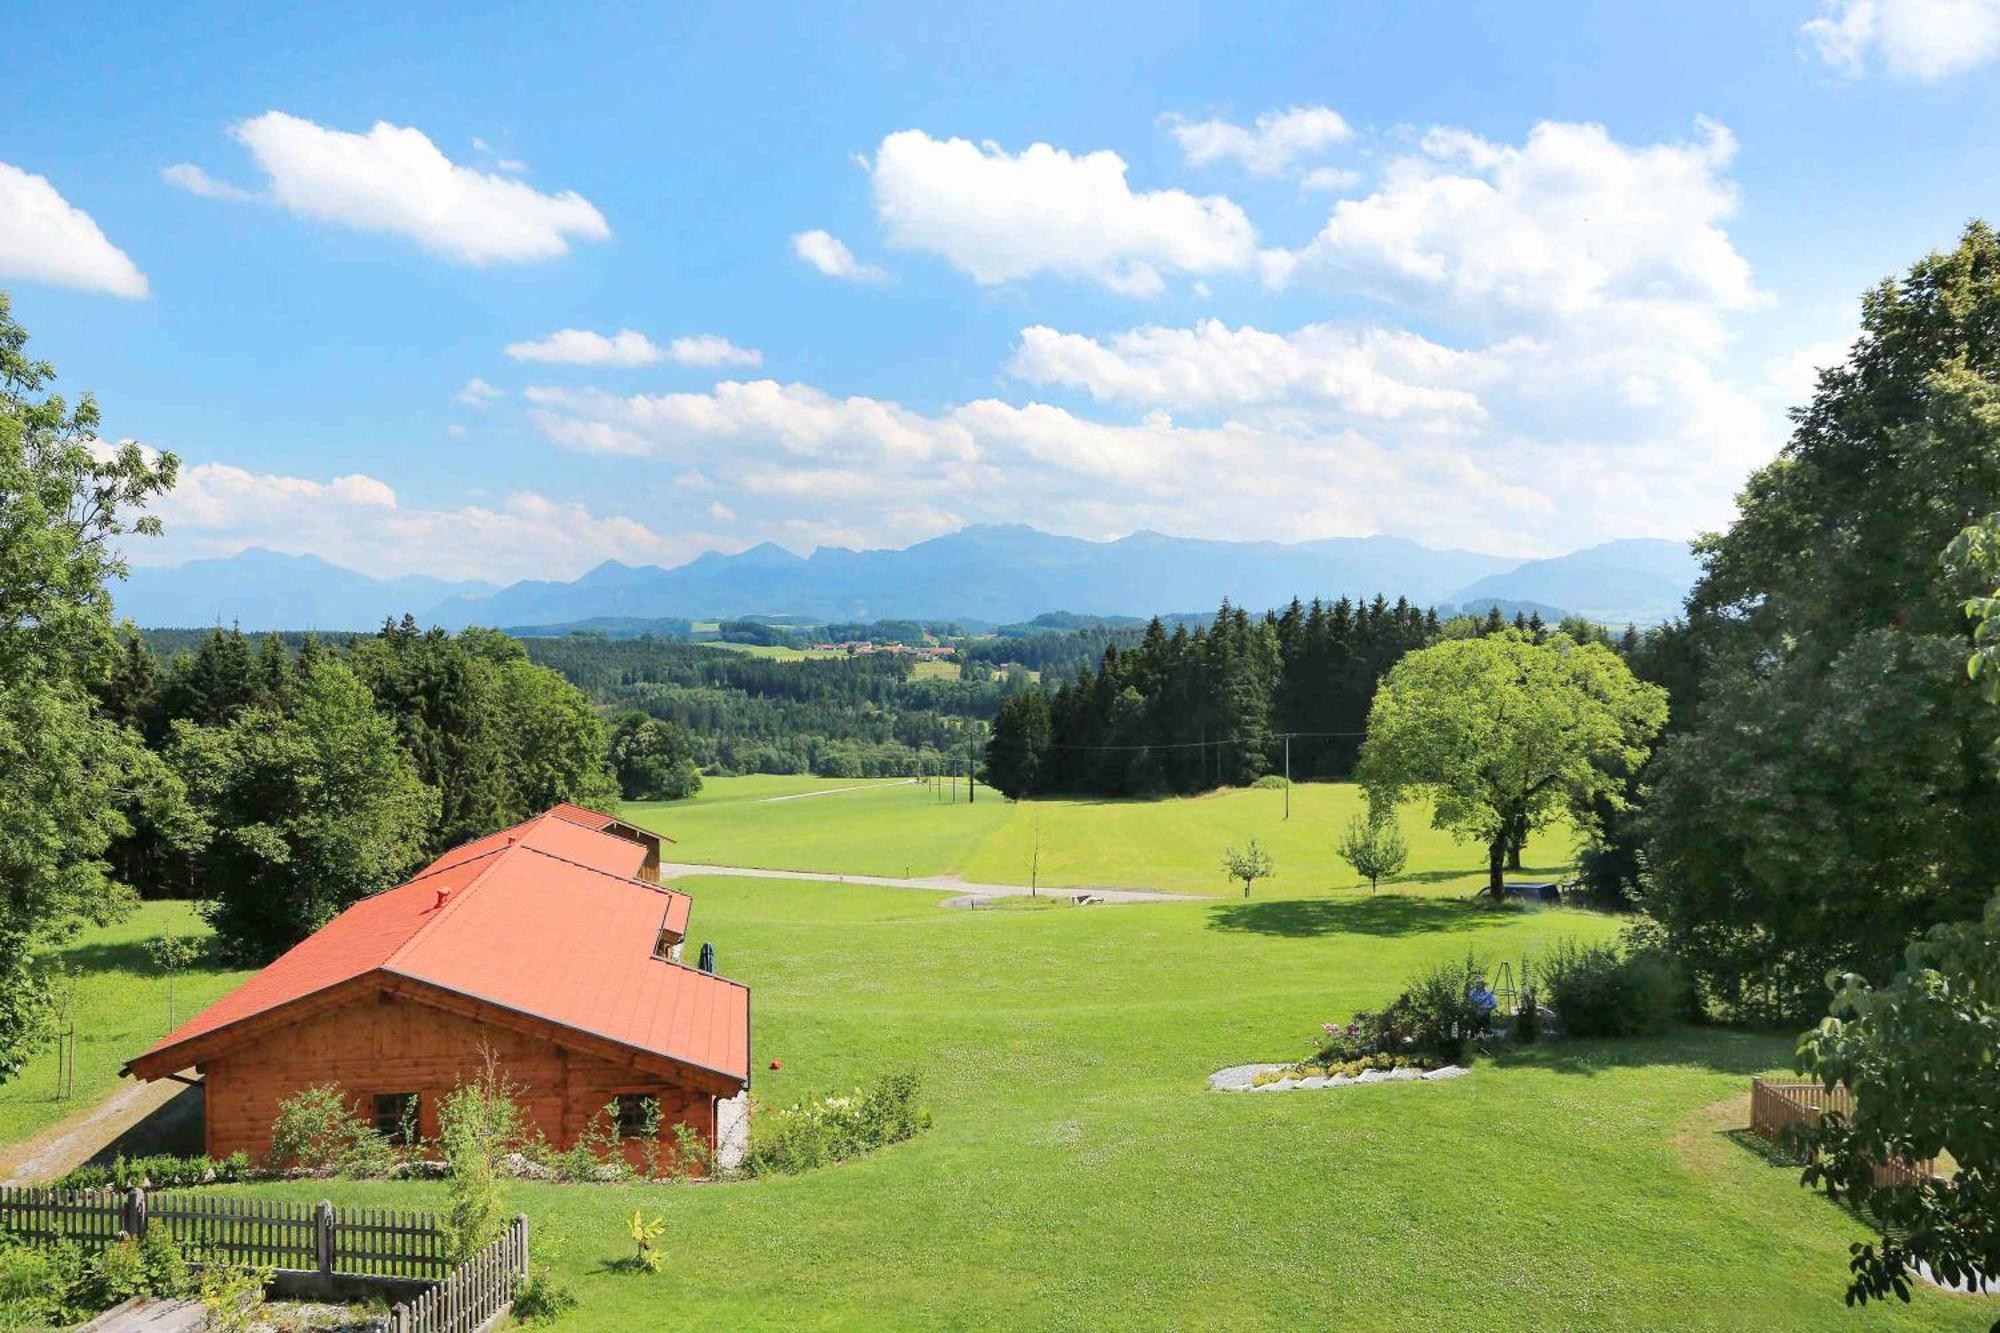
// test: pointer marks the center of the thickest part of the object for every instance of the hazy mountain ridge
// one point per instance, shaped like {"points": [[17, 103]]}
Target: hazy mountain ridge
{"points": [[994, 574]]}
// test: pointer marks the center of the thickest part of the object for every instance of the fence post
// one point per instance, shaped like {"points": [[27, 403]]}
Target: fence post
{"points": [[399, 1318], [323, 1237], [521, 1243], [135, 1213]]}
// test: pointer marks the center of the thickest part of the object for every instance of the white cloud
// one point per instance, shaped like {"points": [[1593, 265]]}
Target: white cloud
{"points": [[189, 177], [1919, 39], [1001, 217], [581, 347], [1369, 373], [1569, 229], [357, 521], [1267, 148], [708, 349], [456, 431], [394, 179], [830, 255], [478, 393], [45, 238]]}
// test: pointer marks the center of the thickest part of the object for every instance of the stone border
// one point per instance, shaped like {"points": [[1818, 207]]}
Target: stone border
{"points": [[1237, 1078]]}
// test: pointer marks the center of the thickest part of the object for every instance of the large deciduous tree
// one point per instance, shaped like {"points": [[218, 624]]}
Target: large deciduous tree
{"points": [[67, 769], [303, 808], [1505, 734], [653, 758], [1837, 793]]}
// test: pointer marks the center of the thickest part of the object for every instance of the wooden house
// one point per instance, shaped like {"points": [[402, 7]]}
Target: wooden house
{"points": [[549, 944]]}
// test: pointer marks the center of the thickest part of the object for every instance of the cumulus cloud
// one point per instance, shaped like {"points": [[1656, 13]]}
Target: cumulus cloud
{"points": [[581, 347], [357, 521], [1918, 39], [709, 349], [394, 179], [1268, 147], [1002, 217], [45, 238], [478, 393], [830, 255], [1570, 227], [1372, 373]]}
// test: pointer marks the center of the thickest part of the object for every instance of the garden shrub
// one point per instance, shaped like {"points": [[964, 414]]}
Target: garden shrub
{"points": [[542, 1297], [316, 1131], [1527, 1011], [1598, 991], [159, 1172], [478, 1123], [41, 1285], [832, 1129], [167, 1271], [117, 1272], [1440, 1011], [595, 1156]]}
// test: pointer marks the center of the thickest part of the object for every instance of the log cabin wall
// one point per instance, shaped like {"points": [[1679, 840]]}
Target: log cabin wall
{"points": [[390, 1044]]}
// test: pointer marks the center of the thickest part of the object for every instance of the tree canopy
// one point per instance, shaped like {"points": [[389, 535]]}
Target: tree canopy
{"points": [[1835, 795], [69, 773], [1504, 734]]}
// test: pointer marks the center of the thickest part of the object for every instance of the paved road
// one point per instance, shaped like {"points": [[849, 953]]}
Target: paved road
{"points": [[968, 891]]}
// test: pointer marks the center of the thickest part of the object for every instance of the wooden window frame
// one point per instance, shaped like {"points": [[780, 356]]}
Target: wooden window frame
{"points": [[409, 1110]]}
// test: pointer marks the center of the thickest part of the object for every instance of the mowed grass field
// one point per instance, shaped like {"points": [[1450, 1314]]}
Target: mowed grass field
{"points": [[121, 1009], [894, 827], [1080, 1175]]}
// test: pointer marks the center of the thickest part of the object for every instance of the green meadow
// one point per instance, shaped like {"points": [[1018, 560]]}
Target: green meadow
{"points": [[894, 827], [1079, 1173]]}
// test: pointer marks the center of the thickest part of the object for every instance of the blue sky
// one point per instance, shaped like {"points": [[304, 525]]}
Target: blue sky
{"points": [[1514, 277]]}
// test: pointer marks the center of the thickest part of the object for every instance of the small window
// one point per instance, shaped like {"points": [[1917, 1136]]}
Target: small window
{"points": [[395, 1117], [637, 1113]]}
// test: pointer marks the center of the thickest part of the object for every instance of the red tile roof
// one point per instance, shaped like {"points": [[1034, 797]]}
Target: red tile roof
{"points": [[547, 919]]}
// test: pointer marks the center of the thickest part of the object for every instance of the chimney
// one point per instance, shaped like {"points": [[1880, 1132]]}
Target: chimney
{"points": [[444, 894]]}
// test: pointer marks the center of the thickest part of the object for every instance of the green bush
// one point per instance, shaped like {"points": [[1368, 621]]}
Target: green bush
{"points": [[40, 1286], [1440, 1011], [161, 1171], [542, 1297], [115, 1273], [832, 1129], [167, 1272], [316, 1131], [1599, 991]]}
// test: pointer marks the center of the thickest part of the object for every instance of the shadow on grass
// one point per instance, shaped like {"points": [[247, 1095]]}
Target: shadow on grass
{"points": [[1717, 1050], [1382, 914], [1479, 872]]}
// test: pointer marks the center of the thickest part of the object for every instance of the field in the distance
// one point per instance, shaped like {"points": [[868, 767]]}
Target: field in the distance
{"points": [[1079, 1174], [893, 827]]}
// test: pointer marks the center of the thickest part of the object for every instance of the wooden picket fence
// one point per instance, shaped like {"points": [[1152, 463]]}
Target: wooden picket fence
{"points": [[1776, 1107], [475, 1293], [315, 1248]]}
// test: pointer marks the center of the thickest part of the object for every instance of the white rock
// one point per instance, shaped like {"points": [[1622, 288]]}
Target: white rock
{"points": [[1449, 1071], [1316, 1081], [1373, 1076], [1339, 1080], [1404, 1075]]}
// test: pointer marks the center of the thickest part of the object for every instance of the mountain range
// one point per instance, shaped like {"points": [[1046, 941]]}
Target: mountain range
{"points": [[986, 573]]}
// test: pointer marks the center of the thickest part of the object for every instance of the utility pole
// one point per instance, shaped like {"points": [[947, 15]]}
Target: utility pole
{"points": [[1288, 775], [970, 757]]}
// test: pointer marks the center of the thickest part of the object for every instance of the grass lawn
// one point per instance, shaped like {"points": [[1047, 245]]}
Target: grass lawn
{"points": [[121, 1009], [1080, 1175], [887, 827]]}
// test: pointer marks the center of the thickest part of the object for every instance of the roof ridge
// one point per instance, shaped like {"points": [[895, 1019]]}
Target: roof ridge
{"points": [[608, 874], [435, 869], [451, 899]]}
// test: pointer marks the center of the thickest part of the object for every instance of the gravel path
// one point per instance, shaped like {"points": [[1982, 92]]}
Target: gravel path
{"points": [[72, 1142], [967, 890]]}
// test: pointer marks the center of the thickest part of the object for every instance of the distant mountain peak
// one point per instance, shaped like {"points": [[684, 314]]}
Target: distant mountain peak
{"points": [[1000, 573]]}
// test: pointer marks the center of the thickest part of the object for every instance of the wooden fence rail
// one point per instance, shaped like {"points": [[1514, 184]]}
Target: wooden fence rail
{"points": [[477, 1291], [314, 1248], [1776, 1107], [380, 1243]]}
